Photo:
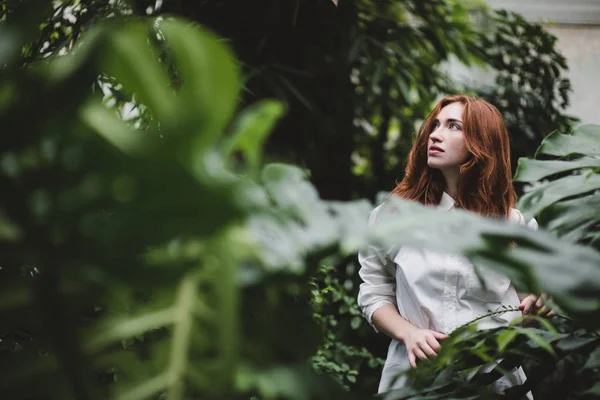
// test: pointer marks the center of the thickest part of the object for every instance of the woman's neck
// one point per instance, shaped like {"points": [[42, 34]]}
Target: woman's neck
{"points": [[451, 178]]}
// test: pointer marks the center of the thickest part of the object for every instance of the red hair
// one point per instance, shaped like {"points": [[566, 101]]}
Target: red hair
{"points": [[485, 180]]}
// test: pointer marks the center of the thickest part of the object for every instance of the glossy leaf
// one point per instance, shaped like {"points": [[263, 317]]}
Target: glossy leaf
{"points": [[539, 259], [536, 339], [544, 196], [584, 141], [571, 219], [530, 170], [594, 360]]}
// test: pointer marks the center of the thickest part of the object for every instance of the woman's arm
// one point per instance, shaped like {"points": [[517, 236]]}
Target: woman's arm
{"points": [[388, 320], [377, 272], [378, 287], [377, 300], [420, 343]]}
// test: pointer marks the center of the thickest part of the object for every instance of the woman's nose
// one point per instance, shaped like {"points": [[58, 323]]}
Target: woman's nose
{"points": [[436, 135]]}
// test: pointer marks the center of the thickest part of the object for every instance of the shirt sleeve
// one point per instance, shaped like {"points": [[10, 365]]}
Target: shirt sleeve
{"points": [[377, 273], [517, 216], [532, 224]]}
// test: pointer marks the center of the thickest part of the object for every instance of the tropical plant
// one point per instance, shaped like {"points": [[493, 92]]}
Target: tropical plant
{"points": [[337, 313], [135, 236], [530, 87], [356, 78], [561, 356], [564, 180], [165, 261]]}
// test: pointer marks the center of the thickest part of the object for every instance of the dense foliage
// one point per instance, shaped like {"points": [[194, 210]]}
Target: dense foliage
{"points": [[161, 259], [357, 77], [530, 88]]}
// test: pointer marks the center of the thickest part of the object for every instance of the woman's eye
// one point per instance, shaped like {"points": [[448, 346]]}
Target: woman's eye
{"points": [[455, 126], [435, 126]]}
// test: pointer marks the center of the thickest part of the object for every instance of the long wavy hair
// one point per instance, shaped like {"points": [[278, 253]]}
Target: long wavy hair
{"points": [[485, 178]]}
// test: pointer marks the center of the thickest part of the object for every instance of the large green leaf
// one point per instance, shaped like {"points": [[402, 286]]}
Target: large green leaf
{"points": [[570, 218], [546, 195], [129, 47], [530, 170], [584, 141], [209, 79], [540, 261], [569, 273], [565, 194], [153, 228]]}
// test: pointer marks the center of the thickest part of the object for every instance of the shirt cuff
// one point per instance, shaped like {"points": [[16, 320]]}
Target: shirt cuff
{"points": [[370, 310]]}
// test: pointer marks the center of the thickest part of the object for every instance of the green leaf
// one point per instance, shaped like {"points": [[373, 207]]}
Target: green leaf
{"points": [[584, 141], [115, 131], [589, 131], [113, 330], [251, 129], [594, 390], [536, 339], [506, 338], [210, 79], [547, 194], [148, 388], [289, 187], [571, 219], [594, 360], [133, 63], [378, 74], [403, 88], [574, 343], [21, 28], [530, 170]]}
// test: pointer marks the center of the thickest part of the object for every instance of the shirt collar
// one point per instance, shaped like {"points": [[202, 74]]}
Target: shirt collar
{"points": [[446, 202]]}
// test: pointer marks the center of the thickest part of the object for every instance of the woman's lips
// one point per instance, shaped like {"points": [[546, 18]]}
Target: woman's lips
{"points": [[433, 150]]}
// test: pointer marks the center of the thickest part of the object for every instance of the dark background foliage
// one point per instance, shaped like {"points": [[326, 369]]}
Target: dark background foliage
{"points": [[355, 80]]}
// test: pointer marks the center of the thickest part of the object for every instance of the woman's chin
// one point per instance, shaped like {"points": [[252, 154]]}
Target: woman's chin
{"points": [[433, 163]]}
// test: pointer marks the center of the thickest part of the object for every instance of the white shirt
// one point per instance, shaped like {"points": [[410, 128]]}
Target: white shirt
{"points": [[432, 291]]}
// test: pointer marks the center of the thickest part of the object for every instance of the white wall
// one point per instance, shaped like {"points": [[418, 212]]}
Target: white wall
{"points": [[576, 24], [581, 46], [553, 11]]}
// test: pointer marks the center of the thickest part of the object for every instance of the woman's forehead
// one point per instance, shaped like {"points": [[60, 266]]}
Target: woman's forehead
{"points": [[451, 111]]}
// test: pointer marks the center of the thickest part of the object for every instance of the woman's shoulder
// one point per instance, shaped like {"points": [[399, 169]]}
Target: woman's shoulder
{"points": [[375, 213], [518, 217]]}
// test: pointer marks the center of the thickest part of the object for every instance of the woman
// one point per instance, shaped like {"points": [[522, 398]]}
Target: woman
{"points": [[461, 159]]}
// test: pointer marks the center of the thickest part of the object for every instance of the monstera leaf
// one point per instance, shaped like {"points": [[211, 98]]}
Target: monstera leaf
{"points": [[566, 184], [539, 261], [161, 262]]}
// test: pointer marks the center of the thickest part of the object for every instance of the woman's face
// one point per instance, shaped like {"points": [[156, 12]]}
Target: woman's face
{"points": [[446, 147]]}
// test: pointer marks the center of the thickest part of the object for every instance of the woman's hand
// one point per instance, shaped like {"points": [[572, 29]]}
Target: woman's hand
{"points": [[422, 344], [533, 304]]}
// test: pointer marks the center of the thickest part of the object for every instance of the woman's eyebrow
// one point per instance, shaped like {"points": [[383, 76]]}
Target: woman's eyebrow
{"points": [[454, 120]]}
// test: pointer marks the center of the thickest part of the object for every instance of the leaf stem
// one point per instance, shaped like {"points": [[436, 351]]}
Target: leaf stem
{"points": [[147, 388], [132, 326], [184, 311], [490, 314]]}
